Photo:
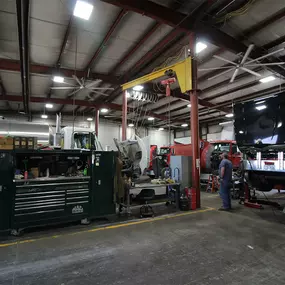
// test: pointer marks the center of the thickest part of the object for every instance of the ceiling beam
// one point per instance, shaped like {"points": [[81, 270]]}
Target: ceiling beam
{"points": [[23, 11], [13, 65], [184, 22]]}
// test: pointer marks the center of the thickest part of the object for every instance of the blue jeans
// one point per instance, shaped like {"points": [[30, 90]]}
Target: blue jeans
{"points": [[225, 194]]}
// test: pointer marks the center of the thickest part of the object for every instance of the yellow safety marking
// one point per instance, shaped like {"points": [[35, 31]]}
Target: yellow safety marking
{"points": [[150, 220]]}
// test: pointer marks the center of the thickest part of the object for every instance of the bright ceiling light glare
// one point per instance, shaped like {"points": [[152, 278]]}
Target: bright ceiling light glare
{"points": [[83, 10], [260, 107], [89, 119], [58, 79], [241, 132], [189, 105], [200, 47], [104, 110], [161, 129], [138, 88], [279, 125], [260, 102], [267, 79], [184, 125], [150, 118], [49, 106], [229, 115], [226, 123], [131, 125], [44, 116]]}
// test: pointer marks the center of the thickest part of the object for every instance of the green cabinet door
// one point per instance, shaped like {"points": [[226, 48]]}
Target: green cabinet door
{"points": [[102, 192], [6, 189]]}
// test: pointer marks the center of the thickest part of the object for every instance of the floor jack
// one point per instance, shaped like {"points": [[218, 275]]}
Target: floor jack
{"points": [[251, 201]]}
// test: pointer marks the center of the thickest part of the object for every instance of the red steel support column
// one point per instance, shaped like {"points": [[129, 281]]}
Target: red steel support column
{"points": [[97, 122], [124, 116], [194, 122]]}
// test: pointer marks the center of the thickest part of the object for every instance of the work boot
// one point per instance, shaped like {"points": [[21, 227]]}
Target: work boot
{"points": [[223, 209]]}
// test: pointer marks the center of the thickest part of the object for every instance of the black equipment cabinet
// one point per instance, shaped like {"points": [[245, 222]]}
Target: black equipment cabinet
{"points": [[6, 190], [103, 173]]}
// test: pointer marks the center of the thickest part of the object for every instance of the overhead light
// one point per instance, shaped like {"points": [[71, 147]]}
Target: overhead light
{"points": [[229, 115], [44, 116], [82, 10], [58, 79], [200, 46], [241, 132], [189, 105], [226, 123], [131, 125], [128, 94], [24, 133], [104, 110], [267, 79], [184, 125], [49, 106], [279, 125], [89, 119], [138, 88], [161, 129], [260, 107], [260, 102], [150, 118]]}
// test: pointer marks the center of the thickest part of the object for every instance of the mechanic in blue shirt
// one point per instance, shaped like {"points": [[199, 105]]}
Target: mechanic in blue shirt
{"points": [[225, 173]]}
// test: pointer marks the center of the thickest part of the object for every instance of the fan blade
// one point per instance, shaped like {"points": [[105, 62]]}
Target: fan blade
{"points": [[91, 84], [74, 92], [224, 72], [64, 88], [101, 93], [264, 56], [234, 75], [264, 64], [250, 71], [102, 88], [214, 68], [223, 59], [250, 48], [77, 80]]}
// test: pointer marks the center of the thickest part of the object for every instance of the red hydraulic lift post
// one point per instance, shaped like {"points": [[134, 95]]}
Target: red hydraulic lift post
{"points": [[194, 122], [124, 116], [97, 122]]}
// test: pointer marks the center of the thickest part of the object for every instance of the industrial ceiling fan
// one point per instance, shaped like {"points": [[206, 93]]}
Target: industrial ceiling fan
{"points": [[243, 64], [81, 85]]}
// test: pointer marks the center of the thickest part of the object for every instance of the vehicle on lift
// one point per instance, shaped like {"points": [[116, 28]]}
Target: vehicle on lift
{"points": [[260, 134]]}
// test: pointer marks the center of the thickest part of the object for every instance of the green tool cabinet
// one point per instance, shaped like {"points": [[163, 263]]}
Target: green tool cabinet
{"points": [[56, 199]]}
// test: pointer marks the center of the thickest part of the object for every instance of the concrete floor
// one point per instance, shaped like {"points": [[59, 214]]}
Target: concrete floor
{"points": [[207, 247]]}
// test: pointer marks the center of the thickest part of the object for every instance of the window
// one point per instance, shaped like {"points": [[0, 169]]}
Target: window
{"points": [[222, 147]]}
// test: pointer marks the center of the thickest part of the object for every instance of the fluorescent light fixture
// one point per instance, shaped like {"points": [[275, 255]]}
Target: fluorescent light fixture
{"points": [[161, 129], [138, 88], [200, 46], [150, 118], [267, 79], [131, 125], [89, 119], [83, 10], [189, 105], [58, 79], [226, 123], [241, 132], [104, 110], [24, 133], [279, 125], [259, 102], [44, 116], [229, 115], [260, 107], [184, 125], [49, 106]]}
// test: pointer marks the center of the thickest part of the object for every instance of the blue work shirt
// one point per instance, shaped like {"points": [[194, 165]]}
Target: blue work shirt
{"points": [[228, 170]]}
